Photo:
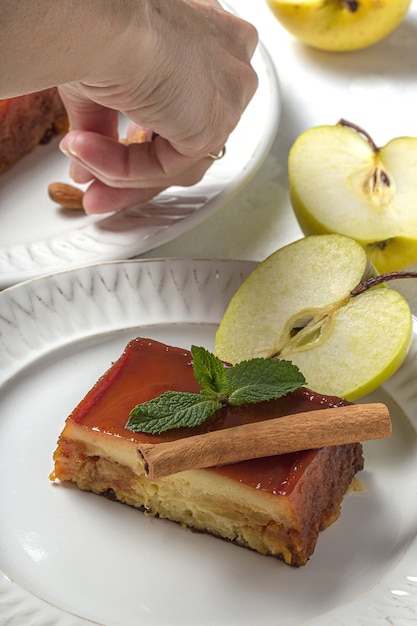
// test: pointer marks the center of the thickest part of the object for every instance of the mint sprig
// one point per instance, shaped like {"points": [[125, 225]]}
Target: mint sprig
{"points": [[252, 381]]}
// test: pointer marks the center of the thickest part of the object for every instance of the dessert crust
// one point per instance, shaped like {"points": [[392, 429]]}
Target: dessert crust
{"points": [[286, 527]]}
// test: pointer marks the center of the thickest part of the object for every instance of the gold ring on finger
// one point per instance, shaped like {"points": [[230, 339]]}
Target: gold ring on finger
{"points": [[217, 157]]}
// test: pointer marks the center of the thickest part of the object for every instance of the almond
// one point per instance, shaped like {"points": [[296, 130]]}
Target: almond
{"points": [[67, 196], [138, 137]]}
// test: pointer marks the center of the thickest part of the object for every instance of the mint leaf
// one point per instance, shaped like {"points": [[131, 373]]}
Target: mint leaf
{"points": [[258, 380], [255, 380], [210, 372], [173, 409]]}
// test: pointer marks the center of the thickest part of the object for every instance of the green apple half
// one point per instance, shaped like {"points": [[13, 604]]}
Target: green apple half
{"points": [[339, 25], [340, 182], [297, 305]]}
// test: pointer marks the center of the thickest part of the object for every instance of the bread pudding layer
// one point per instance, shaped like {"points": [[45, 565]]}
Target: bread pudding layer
{"points": [[27, 121], [275, 505]]}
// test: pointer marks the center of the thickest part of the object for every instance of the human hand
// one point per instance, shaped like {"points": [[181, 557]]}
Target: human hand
{"points": [[184, 76]]}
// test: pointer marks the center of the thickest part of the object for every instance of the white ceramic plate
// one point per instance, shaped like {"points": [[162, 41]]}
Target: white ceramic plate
{"points": [[69, 557], [37, 237]]}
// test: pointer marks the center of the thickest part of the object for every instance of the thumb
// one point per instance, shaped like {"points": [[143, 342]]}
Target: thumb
{"points": [[85, 114]]}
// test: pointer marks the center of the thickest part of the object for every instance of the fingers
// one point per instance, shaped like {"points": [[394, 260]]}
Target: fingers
{"points": [[207, 84], [85, 113], [245, 36], [150, 164], [124, 175], [99, 198]]}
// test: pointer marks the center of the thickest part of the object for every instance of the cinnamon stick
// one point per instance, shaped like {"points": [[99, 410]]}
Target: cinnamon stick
{"points": [[290, 433]]}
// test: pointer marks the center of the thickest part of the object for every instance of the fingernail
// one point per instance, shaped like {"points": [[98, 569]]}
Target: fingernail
{"points": [[67, 146]]}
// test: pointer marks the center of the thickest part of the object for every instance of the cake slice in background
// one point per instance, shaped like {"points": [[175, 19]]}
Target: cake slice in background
{"points": [[27, 121]]}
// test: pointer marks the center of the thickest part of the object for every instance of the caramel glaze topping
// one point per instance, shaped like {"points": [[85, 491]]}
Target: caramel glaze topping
{"points": [[147, 368]]}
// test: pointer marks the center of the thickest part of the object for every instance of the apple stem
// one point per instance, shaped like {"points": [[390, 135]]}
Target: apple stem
{"points": [[378, 280], [359, 130], [352, 5]]}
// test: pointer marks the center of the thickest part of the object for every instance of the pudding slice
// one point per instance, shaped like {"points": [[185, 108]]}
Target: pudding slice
{"points": [[275, 505]]}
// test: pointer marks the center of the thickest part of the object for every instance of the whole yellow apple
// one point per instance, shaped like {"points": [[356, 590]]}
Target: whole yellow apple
{"points": [[339, 25], [340, 181]]}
